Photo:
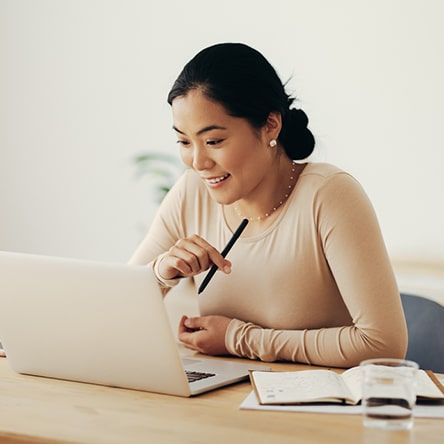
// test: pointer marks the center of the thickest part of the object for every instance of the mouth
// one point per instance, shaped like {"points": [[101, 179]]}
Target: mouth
{"points": [[216, 180]]}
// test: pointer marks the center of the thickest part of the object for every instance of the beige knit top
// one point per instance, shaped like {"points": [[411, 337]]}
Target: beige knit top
{"points": [[316, 287]]}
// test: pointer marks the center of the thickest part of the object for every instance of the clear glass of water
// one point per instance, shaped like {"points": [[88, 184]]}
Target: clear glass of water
{"points": [[389, 393]]}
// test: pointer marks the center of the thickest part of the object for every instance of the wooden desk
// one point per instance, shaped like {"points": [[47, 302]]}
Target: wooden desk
{"points": [[39, 410]]}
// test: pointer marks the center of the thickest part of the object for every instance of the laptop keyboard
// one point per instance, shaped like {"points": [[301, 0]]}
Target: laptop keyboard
{"points": [[197, 376]]}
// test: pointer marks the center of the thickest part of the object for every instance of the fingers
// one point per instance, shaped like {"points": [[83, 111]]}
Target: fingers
{"points": [[204, 334], [191, 256], [187, 331], [187, 324]]}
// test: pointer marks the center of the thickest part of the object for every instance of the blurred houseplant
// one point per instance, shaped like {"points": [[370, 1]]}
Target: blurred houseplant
{"points": [[162, 170]]}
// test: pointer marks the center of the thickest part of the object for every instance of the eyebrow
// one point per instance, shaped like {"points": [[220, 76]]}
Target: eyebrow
{"points": [[203, 130]]}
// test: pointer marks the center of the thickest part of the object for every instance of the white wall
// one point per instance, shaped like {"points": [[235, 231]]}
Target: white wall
{"points": [[83, 86]]}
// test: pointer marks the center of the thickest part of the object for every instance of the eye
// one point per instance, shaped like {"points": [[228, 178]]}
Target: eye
{"points": [[183, 142], [214, 142]]}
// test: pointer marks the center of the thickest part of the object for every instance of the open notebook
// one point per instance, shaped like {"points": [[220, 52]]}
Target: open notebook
{"points": [[98, 323]]}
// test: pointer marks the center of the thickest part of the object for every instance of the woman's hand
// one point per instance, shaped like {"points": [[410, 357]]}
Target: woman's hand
{"points": [[191, 256], [205, 334]]}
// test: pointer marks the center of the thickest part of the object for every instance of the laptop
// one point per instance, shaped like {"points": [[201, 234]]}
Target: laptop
{"points": [[98, 323]]}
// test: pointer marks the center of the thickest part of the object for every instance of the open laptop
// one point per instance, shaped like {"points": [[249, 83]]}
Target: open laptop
{"points": [[98, 323]]}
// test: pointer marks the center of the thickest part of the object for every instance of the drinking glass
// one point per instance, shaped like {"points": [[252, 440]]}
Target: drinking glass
{"points": [[389, 393]]}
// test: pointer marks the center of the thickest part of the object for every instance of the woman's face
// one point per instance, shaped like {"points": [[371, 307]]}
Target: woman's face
{"points": [[231, 157]]}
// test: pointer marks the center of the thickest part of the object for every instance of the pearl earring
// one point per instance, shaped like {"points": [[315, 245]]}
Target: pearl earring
{"points": [[272, 143]]}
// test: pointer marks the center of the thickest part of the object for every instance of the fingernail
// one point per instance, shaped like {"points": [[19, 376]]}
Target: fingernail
{"points": [[227, 269]]}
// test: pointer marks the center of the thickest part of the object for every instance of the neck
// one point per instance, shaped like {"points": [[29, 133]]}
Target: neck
{"points": [[262, 210]]}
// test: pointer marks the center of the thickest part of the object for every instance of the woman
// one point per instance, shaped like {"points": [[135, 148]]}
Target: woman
{"points": [[309, 280]]}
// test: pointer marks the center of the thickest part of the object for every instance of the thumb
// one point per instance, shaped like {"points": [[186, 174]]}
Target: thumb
{"points": [[193, 323]]}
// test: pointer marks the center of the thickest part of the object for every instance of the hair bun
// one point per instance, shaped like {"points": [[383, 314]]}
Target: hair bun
{"points": [[298, 118], [297, 139], [242, 80]]}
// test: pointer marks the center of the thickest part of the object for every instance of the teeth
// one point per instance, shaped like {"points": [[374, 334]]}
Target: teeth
{"points": [[218, 179]]}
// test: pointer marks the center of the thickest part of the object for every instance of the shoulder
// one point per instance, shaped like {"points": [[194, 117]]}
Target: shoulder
{"points": [[322, 171], [329, 187], [189, 178], [189, 185], [188, 198], [185, 207], [327, 177]]}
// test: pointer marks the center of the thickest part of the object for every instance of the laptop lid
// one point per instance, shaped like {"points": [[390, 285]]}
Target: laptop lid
{"points": [[98, 323]]}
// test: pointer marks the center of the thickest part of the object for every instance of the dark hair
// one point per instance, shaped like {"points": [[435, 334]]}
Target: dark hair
{"points": [[243, 81]]}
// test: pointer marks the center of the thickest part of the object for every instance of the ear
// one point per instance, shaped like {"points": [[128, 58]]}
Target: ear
{"points": [[273, 125]]}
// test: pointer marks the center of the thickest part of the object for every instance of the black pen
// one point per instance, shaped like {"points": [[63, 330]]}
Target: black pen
{"points": [[225, 251]]}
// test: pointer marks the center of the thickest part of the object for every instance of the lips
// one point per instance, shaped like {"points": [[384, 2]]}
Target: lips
{"points": [[216, 180]]}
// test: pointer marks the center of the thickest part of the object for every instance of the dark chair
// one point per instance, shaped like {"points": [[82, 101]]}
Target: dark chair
{"points": [[425, 324]]}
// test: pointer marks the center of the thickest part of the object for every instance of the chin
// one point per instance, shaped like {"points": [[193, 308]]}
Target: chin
{"points": [[221, 200]]}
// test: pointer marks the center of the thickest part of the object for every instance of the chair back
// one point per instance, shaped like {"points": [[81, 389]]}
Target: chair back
{"points": [[425, 325]]}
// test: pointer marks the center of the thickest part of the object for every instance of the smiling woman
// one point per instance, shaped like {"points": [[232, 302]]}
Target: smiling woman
{"points": [[220, 153], [309, 280]]}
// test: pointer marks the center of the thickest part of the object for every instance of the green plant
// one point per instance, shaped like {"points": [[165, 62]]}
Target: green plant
{"points": [[161, 169]]}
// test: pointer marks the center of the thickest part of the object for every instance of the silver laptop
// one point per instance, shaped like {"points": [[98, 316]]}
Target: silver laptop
{"points": [[98, 323]]}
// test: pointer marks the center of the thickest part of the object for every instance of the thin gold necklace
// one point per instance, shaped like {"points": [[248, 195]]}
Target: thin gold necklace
{"points": [[279, 204]]}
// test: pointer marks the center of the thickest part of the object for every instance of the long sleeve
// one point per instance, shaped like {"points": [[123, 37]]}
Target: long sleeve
{"points": [[350, 238], [187, 209], [164, 231], [315, 287]]}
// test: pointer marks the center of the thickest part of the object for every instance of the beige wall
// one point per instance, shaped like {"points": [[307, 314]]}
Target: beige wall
{"points": [[83, 86]]}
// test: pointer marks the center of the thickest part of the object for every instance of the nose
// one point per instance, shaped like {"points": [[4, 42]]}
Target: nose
{"points": [[201, 160]]}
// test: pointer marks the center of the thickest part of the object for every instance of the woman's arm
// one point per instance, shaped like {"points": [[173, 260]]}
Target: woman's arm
{"points": [[354, 248], [172, 247]]}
